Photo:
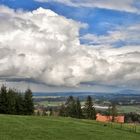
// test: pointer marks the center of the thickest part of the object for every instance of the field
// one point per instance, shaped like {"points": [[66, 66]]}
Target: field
{"points": [[120, 108], [55, 128], [129, 108], [47, 103]]}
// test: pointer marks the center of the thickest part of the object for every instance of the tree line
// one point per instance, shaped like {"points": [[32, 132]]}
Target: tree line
{"points": [[15, 102], [72, 108], [132, 117], [19, 103]]}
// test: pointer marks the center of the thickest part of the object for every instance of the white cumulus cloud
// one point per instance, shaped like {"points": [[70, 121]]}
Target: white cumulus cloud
{"points": [[44, 47]]}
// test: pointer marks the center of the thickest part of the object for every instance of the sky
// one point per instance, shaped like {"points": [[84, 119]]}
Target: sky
{"points": [[70, 45]]}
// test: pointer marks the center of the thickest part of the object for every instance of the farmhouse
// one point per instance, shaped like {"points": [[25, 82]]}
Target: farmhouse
{"points": [[103, 118]]}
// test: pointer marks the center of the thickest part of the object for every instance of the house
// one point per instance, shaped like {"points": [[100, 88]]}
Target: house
{"points": [[103, 118]]}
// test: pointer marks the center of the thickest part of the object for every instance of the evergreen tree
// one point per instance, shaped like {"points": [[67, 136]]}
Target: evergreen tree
{"points": [[20, 104], [70, 107], [3, 100], [62, 110], [11, 101], [29, 106], [78, 109], [89, 109]]}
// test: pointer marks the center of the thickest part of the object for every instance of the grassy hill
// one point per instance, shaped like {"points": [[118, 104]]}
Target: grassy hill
{"points": [[51, 128]]}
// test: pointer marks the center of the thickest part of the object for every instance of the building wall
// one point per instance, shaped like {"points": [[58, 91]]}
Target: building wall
{"points": [[102, 118]]}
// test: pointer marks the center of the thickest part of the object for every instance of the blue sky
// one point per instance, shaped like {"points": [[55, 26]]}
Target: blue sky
{"points": [[112, 27]]}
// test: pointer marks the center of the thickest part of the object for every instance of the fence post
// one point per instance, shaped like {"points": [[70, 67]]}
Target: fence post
{"points": [[135, 129], [121, 125]]}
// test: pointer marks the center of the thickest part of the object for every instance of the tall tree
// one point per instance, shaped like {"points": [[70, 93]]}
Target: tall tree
{"points": [[109, 112], [3, 100], [78, 109], [11, 101], [70, 107], [29, 106], [14, 102], [113, 111], [20, 104], [89, 110]]}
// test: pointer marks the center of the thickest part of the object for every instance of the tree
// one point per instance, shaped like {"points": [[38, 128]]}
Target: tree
{"points": [[62, 110], [113, 111], [51, 111], [3, 100], [109, 112], [20, 104], [29, 106], [132, 117], [89, 109], [14, 102], [70, 107], [78, 109], [11, 101]]}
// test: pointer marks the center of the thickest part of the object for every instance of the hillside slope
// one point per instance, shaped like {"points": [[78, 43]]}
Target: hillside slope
{"points": [[50, 128]]}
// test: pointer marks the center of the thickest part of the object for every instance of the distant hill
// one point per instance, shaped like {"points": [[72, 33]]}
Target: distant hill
{"points": [[84, 93], [124, 96]]}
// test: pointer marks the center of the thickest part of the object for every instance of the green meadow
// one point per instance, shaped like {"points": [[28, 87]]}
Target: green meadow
{"points": [[57, 128]]}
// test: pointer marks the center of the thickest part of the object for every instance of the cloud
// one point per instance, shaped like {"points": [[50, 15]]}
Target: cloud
{"points": [[44, 47], [128, 35], [120, 5]]}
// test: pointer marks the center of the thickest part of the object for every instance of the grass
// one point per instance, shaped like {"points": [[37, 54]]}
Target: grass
{"points": [[129, 108], [47, 103], [55, 128]]}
